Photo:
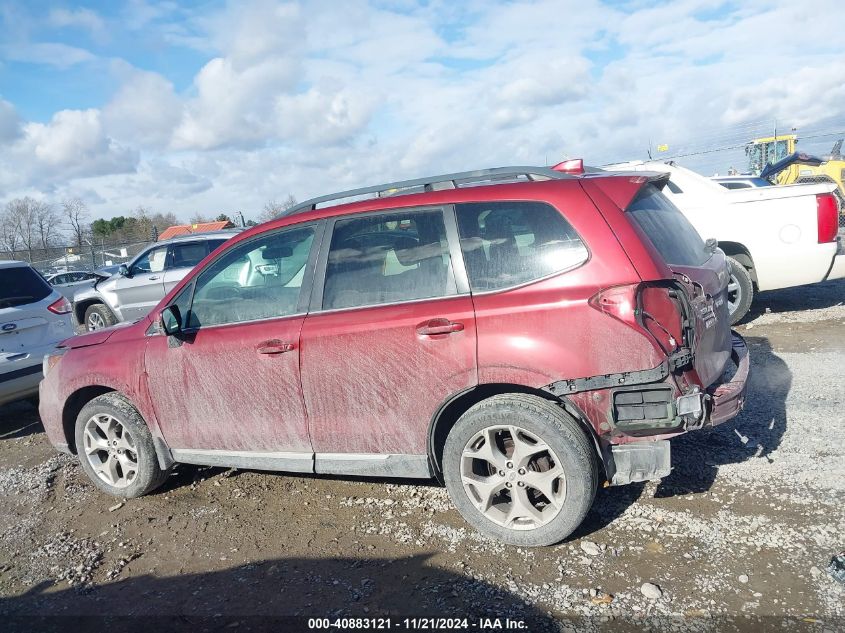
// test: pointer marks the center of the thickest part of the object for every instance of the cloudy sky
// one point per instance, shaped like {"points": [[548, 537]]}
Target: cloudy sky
{"points": [[221, 106]]}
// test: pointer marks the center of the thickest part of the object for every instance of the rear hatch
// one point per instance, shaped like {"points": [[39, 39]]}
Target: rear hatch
{"points": [[25, 322], [700, 280]]}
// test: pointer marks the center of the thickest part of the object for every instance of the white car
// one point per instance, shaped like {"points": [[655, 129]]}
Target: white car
{"points": [[34, 317], [775, 237], [70, 281]]}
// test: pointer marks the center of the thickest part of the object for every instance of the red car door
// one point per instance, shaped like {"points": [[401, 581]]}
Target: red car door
{"points": [[229, 390], [390, 335]]}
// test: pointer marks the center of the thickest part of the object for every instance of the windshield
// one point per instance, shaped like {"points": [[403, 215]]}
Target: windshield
{"points": [[21, 285]]}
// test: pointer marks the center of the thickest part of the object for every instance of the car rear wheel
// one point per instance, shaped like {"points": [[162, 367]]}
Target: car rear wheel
{"points": [[98, 316], [740, 291], [115, 447], [520, 469]]}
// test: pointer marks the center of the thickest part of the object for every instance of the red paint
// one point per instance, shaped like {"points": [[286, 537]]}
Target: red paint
{"points": [[372, 381], [219, 391], [368, 380]]}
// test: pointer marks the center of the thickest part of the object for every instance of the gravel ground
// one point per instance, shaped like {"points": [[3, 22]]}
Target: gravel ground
{"points": [[743, 528]]}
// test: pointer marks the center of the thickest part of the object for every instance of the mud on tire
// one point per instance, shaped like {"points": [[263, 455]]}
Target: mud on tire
{"points": [[527, 501], [740, 291], [115, 447], [98, 316]]}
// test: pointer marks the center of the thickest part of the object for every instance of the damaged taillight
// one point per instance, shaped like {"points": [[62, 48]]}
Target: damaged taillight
{"points": [[620, 302], [661, 315], [646, 307]]}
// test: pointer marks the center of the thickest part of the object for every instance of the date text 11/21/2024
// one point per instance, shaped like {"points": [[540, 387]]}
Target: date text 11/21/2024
{"points": [[417, 624]]}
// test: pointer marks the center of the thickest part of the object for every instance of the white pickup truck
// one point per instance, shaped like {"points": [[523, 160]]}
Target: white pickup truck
{"points": [[775, 237]]}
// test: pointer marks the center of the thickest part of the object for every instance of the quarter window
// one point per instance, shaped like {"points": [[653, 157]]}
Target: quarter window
{"points": [[260, 279], [510, 243], [389, 258]]}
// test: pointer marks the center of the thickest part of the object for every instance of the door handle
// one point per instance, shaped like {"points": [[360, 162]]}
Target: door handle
{"points": [[439, 326], [274, 346], [153, 278]]}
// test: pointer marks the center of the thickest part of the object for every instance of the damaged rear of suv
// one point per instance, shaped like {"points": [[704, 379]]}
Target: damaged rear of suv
{"points": [[522, 335]]}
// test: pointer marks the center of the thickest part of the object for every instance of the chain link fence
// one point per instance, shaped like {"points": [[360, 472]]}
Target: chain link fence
{"points": [[839, 192], [88, 257]]}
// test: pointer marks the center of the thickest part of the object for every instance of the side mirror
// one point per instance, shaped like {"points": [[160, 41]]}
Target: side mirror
{"points": [[170, 320], [123, 270], [710, 245]]}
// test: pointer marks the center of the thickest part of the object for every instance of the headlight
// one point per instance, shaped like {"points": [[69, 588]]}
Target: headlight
{"points": [[52, 359]]}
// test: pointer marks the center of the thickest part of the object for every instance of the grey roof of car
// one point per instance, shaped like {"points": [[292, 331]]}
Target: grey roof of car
{"points": [[12, 263], [497, 175]]}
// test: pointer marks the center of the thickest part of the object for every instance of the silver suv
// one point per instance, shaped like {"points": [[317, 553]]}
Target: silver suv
{"points": [[34, 317], [138, 286]]}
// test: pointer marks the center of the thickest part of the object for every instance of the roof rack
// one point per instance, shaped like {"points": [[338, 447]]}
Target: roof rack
{"points": [[433, 183]]}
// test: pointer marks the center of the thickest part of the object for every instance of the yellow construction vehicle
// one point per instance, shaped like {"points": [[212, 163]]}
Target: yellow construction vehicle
{"points": [[765, 152]]}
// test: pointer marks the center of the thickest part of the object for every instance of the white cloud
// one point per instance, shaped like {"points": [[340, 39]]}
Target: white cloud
{"points": [[145, 110], [307, 97], [72, 145], [54, 54], [10, 122], [80, 18]]}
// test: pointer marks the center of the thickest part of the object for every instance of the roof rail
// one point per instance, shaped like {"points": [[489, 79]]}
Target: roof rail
{"points": [[433, 183]]}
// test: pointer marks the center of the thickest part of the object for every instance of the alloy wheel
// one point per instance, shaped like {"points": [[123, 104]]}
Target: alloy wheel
{"points": [[95, 321], [513, 477], [734, 294], [110, 450]]}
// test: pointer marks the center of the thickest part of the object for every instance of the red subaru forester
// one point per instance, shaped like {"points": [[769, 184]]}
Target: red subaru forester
{"points": [[521, 334]]}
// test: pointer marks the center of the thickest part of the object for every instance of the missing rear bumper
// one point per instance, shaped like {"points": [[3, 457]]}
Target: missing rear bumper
{"points": [[641, 461]]}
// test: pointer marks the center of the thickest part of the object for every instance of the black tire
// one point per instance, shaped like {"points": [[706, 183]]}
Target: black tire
{"points": [[98, 311], [548, 422], [739, 301], [148, 475]]}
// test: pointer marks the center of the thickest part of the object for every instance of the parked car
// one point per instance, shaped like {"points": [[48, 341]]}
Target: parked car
{"points": [[69, 282], [34, 318], [140, 285], [524, 339], [775, 237], [741, 182]]}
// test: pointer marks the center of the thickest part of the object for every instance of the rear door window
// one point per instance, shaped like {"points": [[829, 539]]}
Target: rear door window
{"points": [[510, 243], [388, 258], [667, 228], [187, 254], [20, 285]]}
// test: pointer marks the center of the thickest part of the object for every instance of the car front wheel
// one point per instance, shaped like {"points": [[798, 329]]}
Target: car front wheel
{"points": [[520, 469], [98, 316], [115, 447]]}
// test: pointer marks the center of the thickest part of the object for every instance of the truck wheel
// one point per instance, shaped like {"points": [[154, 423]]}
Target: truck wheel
{"points": [[520, 469], [115, 447], [740, 291], [98, 316]]}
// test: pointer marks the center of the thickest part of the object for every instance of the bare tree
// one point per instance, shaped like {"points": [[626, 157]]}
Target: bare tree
{"points": [[22, 212], [9, 239], [273, 209], [199, 218], [76, 214], [47, 224]]}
